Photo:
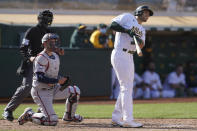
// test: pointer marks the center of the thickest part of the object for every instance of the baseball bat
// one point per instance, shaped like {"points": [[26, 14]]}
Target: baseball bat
{"points": [[139, 51]]}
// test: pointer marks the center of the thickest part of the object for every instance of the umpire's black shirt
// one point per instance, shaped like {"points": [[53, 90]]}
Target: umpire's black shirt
{"points": [[32, 41]]}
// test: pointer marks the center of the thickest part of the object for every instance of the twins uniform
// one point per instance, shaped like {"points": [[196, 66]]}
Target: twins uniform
{"points": [[43, 94], [122, 62], [152, 79], [172, 78]]}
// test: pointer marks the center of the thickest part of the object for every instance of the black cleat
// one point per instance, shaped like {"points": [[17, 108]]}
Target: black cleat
{"points": [[76, 118], [7, 115]]}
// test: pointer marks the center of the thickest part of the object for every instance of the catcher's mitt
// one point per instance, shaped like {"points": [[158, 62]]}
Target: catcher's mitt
{"points": [[66, 83]]}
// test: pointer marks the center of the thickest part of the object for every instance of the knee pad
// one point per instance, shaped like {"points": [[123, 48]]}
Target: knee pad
{"points": [[74, 89], [74, 94]]}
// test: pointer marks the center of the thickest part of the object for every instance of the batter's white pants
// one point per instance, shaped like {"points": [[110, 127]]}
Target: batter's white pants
{"points": [[123, 65]]}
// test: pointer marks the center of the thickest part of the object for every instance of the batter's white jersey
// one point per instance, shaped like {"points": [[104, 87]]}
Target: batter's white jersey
{"points": [[49, 65], [173, 78], [123, 40], [153, 79]]}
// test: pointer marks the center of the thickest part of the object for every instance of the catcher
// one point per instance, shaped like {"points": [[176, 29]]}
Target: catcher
{"points": [[47, 85]]}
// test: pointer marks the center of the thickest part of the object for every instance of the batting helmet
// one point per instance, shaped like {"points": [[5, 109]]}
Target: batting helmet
{"points": [[45, 17], [140, 9]]}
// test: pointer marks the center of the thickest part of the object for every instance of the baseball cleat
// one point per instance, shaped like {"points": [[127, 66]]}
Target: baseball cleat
{"points": [[116, 123], [76, 118], [7, 115], [26, 116], [132, 125]]}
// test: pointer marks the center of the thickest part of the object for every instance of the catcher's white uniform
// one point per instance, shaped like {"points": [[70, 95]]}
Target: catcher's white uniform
{"points": [[43, 94], [122, 62]]}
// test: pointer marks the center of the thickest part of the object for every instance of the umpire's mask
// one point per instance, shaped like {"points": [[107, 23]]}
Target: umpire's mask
{"points": [[45, 18]]}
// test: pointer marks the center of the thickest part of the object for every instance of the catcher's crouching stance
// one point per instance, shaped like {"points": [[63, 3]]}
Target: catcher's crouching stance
{"points": [[47, 86]]}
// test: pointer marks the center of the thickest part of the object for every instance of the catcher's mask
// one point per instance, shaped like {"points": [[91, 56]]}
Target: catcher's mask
{"points": [[51, 40], [140, 9], [45, 17]]}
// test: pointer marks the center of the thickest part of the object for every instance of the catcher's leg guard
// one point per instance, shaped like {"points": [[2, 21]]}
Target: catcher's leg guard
{"points": [[71, 105]]}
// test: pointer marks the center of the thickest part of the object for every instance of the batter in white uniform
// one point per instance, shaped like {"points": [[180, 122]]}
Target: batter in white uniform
{"points": [[47, 87], [126, 25]]}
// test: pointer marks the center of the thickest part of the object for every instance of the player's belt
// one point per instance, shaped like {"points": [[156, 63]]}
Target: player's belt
{"points": [[128, 51]]}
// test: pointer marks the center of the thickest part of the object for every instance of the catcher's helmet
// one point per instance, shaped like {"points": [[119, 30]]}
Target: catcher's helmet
{"points": [[140, 9], [49, 36], [50, 45], [45, 17]]}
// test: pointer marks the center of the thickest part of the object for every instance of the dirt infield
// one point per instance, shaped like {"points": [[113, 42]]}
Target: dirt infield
{"points": [[105, 125]]}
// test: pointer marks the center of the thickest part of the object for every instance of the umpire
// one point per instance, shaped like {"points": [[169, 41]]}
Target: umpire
{"points": [[30, 47]]}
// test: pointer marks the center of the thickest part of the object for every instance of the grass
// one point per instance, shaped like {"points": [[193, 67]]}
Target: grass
{"points": [[164, 110]]}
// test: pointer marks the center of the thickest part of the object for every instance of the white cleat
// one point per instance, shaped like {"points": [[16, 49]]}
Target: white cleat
{"points": [[25, 117], [132, 125], [116, 123]]}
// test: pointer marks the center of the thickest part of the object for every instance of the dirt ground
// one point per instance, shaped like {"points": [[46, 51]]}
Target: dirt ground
{"points": [[105, 124]]}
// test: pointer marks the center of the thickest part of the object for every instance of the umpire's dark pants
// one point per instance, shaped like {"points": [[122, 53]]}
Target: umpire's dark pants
{"points": [[23, 91]]}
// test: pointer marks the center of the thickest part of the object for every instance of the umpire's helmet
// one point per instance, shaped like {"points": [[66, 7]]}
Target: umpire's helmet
{"points": [[45, 17], [140, 9]]}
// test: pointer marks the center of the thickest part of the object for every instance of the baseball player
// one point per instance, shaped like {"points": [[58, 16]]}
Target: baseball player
{"points": [[47, 85], [174, 84], [126, 26], [152, 82]]}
